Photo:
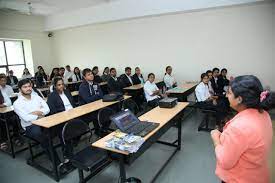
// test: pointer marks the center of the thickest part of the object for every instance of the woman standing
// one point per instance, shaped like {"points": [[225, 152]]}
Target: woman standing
{"points": [[242, 149]]}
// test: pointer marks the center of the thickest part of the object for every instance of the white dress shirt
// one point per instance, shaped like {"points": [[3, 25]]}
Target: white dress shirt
{"points": [[202, 92], [67, 75], [210, 88], [23, 107], [169, 81], [7, 89], [130, 79], [66, 102], [26, 76], [7, 100], [76, 78], [149, 89]]}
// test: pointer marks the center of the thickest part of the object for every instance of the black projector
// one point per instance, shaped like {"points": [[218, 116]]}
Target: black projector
{"points": [[168, 102]]}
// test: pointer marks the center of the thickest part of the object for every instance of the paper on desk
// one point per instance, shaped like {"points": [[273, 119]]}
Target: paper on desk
{"points": [[125, 142]]}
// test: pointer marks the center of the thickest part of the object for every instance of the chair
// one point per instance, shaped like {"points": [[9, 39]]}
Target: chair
{"points": [[104, 120], [88, 159], [204, 125], [131, 105]]}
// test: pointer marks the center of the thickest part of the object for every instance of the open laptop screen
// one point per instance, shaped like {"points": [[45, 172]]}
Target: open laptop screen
{"points": [[124, 120]]}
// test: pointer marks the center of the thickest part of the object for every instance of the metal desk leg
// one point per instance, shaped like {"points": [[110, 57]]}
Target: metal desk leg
{"points": [[8, 136], [122, 176], [179, 136], [55, 172]]}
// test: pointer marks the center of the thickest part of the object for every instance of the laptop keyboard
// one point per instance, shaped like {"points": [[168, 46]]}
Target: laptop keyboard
{"points": [[138, 128]]}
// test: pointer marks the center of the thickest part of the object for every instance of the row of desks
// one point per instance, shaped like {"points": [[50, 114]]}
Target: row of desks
{"points": [[159, 115]]}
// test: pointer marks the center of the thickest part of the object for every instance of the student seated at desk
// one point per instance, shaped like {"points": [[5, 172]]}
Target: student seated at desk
{"points": [[223, 82], [97, 78], [54, 73], [114, 84], [58, 101], [7, 89], [41, 78], [210, 76], [137, 77], [68, 75], [168, 79], [214, 80], [207, 101], [151, 91], [89, 92], [126, 79], [11, 79], [61, 72], [77, 76], [26, 74], [105, 75], [29, 108], [4, 102]]}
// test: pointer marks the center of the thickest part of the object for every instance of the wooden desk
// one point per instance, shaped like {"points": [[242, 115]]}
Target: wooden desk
{"points": [[53, 120], [103, 83], [56, 119], [4, 118], [43, 89], [73, 82], [163, 116], [6, 109], [139, 86], [158, 115], [181, 92]]}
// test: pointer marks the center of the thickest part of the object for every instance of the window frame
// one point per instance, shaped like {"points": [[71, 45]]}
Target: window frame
{"points": [[6, 56]]}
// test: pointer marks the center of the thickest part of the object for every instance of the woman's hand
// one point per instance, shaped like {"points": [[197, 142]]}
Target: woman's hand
{"points": [[215, 135]]}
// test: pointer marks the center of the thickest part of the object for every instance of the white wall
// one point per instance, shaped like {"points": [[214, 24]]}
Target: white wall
{"points": [[29, 29], [238, 38]]}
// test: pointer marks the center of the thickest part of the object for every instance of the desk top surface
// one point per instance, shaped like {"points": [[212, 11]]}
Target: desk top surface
{"points": [[55, 119], [6, 109], [158, 115], [182, 88], [138, 86]]}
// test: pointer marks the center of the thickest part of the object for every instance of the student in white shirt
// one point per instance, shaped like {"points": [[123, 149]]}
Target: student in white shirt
{"points": [[168, 79], [207, 101], [68, 75], [151, 91], [77, 76], [26, 74], [29, 108], [4, 102], [7, 89]]}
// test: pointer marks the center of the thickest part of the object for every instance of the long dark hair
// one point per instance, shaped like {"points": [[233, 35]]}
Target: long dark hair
{"points": [[250, 89]]}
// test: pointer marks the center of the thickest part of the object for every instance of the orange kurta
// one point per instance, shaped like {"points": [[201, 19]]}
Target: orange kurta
{"points": [[242, 156]]}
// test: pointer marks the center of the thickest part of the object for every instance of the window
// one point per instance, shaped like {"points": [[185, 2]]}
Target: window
{"points": [[12, 57]]}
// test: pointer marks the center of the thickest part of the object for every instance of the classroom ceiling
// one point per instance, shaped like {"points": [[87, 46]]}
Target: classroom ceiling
{"points": [[47, 7], [62, 14]]}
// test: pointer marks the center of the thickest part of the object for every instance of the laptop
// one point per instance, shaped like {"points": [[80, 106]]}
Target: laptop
{"points": [[128, 123]]}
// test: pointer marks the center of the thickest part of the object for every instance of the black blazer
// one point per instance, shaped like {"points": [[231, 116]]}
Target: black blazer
{"points": [[114, 85], [97, 79], [215, 85], [222, 82], [14, 79], [89, 93], [125, 82], [136, 79], [55, 102]]}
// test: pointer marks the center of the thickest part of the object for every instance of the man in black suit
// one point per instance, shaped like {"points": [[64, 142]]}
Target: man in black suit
{"points": [[126, 79], [214, 81], [11, 79], [114, 84], [137, 77]]}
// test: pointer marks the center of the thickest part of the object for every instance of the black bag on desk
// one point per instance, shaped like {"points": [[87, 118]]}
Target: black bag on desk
{"points": [[112, 97]]}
